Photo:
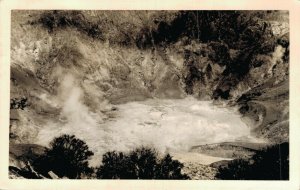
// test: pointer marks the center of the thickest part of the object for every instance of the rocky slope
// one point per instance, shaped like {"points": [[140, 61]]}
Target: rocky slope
{"points": [[78, 64]]}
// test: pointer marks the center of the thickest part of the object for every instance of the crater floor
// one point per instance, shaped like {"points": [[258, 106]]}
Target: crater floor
{"points": [[169, 125]]}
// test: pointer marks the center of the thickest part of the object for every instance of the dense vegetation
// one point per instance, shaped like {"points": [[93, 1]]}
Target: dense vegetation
{"points": [[18, 103], [68, 157], [268, 164], [237, 29], [142, 163]]}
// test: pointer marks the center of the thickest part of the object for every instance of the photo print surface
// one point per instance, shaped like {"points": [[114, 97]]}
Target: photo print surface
{"points": [[201, 95]]}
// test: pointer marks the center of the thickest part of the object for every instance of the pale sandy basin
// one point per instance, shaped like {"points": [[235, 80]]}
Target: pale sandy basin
{"points": [[194, 157]]}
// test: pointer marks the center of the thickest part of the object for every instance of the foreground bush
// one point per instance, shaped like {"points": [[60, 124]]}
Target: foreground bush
{"points": [[141, 163], [269, 164], [66, 157]]}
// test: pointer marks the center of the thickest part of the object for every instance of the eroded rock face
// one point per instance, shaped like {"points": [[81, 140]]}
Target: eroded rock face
{"points": [[268, 109]]}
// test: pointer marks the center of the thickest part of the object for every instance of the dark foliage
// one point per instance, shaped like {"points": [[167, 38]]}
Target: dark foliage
{"points": [[19, 103], [219, 53], [234, 28], [67, 156], [60, 19], [268, 164], [284, 42], [247, 33], [141, 163], [194, 75], [115, 166], [224, 94], [169, 169]]}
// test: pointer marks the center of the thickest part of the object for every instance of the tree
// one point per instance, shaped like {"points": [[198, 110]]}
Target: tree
{"points": [[115, 166], [138, 164], [142, 163], [67, 156], [268, 164], [170, 169]]}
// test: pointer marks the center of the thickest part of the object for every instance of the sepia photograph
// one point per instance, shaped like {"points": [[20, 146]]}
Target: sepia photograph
{"points": [[149, 94]]}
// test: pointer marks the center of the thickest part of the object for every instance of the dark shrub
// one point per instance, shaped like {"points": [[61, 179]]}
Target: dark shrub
{"points": [[67, 156], [115, 166], [219, 53], [19, 103], [170, 169], [59, 19], [141, 163], [269, 164]]}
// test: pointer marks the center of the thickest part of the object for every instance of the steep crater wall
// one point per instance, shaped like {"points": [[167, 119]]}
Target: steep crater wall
{"points": [[106, 58]]}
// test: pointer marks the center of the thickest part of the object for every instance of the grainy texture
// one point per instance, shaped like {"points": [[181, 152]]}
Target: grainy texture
{"points": [[76, 69]]}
